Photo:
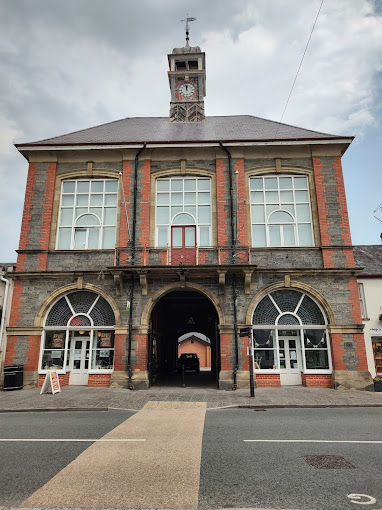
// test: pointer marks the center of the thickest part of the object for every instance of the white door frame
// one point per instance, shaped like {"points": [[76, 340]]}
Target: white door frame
{"points": [[290, 376], [79, 376]]}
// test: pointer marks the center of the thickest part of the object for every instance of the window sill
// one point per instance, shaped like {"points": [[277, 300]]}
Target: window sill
{"points": [[317, 371]]}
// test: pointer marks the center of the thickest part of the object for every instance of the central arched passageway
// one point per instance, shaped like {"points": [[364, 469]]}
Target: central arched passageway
{"points": [[174, 316]]}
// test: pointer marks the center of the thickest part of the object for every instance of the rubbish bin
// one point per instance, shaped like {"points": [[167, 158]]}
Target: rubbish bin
{"points": [[13, 377]]}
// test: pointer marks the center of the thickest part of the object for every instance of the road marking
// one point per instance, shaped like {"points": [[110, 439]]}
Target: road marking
{"points": [[358, 497], [71, 440], [307, 441]]}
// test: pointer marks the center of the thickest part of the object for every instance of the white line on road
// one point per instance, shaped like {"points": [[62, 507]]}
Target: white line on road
{"points": [[307, 441], [73, 440]]}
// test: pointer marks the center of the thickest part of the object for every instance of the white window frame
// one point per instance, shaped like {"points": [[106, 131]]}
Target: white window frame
{"points": [[87, 210], [278, 206], [199, 224]]}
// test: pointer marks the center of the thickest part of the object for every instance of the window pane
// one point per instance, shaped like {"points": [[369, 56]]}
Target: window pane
{"points": [[263, 338], [97, 199], [300, 183], [256, 183], [68, 186], [204, 214], [163, 185], [204, 184], [177, 237], [67, 199], [97, 211], [64, 235], [176, 185], [80, 239], [302, 196], [52, 359], [162, 236], [303, 212], [176, 210], [111, 185], [317, 360], [288, 207], [289, 237], [258, 236], [66, 217], [87, 219], [204, 198], [280, 217], [93, 240], [108, 237], [272, 197], [274, 236], [270, 208], [189, 184], [258, 215], [79, 211], [204, 236], [270, 183], [102, 359], [285, 182], [110, 216], [190, 198], [111, 199], [189, 237], [183, 219], [82, 186], [162, 215], [305, 234], [82, 200], [97, 186], [190, 209], [177, 198], [286, 196], [257, 197], [315, 338], [163, 198], [265, 359]]}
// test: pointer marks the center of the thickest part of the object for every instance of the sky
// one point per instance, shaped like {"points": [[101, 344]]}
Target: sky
{"points": [[67, 65]]}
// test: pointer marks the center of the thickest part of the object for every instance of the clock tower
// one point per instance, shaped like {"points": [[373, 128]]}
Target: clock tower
{"points": [[187, 78]]}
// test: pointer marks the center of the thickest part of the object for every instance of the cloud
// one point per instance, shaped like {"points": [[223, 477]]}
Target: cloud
{"points": [[70, 65]]}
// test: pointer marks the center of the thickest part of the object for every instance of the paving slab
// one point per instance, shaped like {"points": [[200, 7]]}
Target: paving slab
{"points": [[84, 398]]}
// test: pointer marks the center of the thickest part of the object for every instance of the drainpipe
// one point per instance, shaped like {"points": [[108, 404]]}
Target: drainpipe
{"points": [[234, 291], [129, 336], [2, 325]]}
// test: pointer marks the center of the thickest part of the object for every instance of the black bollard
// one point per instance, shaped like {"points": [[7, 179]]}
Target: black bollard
{"points": [[183, 383]]}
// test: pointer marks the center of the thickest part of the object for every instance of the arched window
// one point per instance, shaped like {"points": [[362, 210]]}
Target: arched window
{"points": [[78, 336], [188, 195], [88, 214], [280, 211], [290, 335]]}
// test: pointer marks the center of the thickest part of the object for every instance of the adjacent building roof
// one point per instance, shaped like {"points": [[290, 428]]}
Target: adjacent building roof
{"points": [[137, 130], [370, 258], [199, 337]]}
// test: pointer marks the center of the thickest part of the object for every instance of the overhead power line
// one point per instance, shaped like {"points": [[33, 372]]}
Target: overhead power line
{"points": [[302, 59]]}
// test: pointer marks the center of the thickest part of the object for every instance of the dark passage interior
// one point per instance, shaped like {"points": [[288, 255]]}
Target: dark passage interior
{"points": [[176, 314]]}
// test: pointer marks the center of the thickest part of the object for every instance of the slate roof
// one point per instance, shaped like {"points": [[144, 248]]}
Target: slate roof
{"points": [[370, 258], [234, 128]]}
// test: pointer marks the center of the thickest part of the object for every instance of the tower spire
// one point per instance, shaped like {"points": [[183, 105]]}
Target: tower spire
{"points": [[187, 20]]}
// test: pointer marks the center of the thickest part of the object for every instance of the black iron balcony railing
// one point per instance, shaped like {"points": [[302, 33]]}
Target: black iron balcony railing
{"points": [[149, 256]]}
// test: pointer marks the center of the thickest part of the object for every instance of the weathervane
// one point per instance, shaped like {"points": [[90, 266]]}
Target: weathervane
{"points": [[187, 20]]}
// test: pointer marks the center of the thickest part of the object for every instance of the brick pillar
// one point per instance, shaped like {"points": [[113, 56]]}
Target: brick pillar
{"points": [[27, 216], [47, 216], [127, 186], [141, 351], [143, 226], [222, 205]]}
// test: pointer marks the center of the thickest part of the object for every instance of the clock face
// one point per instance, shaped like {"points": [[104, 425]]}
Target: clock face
{"points": [[186, 89]]}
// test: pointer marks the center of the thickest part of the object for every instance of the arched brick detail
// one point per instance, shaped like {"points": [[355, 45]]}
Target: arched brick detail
{"points": [[303, 287], [176, 287], [58, 293]]}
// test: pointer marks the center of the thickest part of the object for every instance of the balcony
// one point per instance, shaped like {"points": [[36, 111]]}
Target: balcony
{"points": [[214, 256]]}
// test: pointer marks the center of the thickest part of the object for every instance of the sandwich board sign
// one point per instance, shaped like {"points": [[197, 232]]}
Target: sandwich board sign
{"points": [[51, 383]]}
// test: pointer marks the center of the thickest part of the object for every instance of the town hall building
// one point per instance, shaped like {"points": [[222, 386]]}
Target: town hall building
{"points": [[133, 228]]}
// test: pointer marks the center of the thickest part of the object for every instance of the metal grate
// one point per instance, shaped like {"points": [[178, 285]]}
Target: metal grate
{"points": [[286, 300], [309, 312], [266, 312], [59, 314], [102, 314], [82, 301], [328, 462], [288, 320]]}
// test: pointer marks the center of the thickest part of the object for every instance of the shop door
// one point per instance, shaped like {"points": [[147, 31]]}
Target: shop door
{"points": [[290, 360], [183, 245], [79, 361]]}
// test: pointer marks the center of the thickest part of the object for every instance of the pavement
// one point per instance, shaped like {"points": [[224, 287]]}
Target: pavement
{"points": [[85, 398]]}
